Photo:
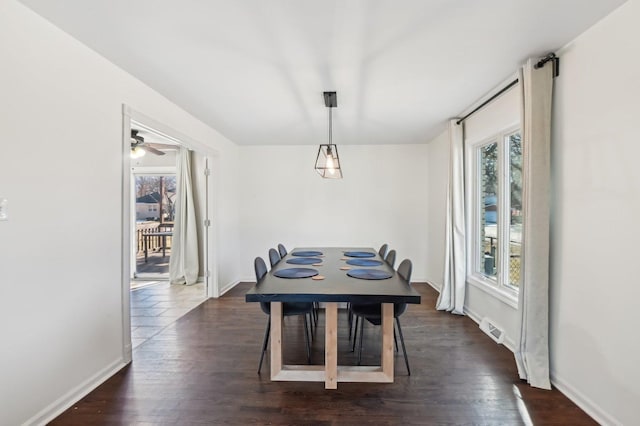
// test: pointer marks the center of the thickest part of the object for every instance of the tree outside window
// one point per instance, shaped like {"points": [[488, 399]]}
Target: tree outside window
{"points": [[159, 191], [498, 199]]}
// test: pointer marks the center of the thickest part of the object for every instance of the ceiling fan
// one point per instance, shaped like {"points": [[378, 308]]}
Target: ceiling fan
{"points": [[139, 146]]}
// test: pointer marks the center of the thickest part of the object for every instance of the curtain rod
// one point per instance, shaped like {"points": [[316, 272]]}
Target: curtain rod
{"points": [[504, 89], [550, 57]]}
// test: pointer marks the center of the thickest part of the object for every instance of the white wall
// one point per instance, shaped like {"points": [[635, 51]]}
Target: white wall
{"points": [[594, 290], [60, 272], [595, 346], [382, 199]]}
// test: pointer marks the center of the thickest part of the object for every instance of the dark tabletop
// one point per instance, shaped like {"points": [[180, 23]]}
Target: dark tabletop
{"points": [[337, 285]]}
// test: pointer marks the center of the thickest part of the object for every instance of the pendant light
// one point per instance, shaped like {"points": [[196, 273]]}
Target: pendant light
{"points": [[328, 161]]}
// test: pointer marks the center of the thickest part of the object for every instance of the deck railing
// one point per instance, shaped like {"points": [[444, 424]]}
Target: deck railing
{"points": [[153, 243], [515, 266]]}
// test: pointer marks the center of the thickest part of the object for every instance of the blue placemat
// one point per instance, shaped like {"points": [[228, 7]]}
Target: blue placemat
{"points": [[295, 273], [364, 262], [309, 253], [304, 260], [359, 254], [369, 274]]}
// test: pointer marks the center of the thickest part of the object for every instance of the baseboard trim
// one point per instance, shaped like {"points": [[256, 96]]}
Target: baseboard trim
{"points": [[433, 285], [508, 341], [421, 281], [585, 403], [229, 286], [472, 314], [127, 352], [63, 403]]}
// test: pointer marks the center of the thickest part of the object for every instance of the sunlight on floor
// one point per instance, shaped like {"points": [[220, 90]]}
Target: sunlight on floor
{"points": [[522, 408], [157, 304]]}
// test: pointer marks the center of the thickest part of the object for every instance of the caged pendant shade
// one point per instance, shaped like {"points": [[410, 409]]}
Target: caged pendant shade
{"points": [[328, 161]]}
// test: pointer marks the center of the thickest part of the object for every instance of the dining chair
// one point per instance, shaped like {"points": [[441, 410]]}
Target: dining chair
{"points": [[274, 257], [288, 309], [382, 252], [391, 258], [373, 313], [282, 250]]}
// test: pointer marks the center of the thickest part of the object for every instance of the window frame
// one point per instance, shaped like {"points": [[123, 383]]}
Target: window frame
{"points": [[499, 286]]}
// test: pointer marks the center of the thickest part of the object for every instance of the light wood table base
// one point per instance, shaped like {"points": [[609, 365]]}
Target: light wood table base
{"points": [[331, 373]]}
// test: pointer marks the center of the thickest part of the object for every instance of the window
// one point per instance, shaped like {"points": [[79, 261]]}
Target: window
{"points": [[496, 212]]}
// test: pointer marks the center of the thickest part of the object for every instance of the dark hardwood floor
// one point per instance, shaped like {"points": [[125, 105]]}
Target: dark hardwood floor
{"points": [[202, 371]]}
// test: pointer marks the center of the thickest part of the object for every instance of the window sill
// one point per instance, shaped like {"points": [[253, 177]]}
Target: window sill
{"points": [[505, 296]]}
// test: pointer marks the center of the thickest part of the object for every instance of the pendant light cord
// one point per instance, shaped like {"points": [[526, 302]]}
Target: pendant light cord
{"points": [[330, 128]]}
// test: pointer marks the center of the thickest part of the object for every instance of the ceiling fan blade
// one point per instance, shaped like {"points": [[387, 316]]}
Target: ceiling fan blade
{"points": [[163, 146], [151, 149]]}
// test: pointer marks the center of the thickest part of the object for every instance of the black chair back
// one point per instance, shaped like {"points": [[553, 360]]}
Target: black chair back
{"points": [[373, 312], [274, 257], [383, 250], [260, 269], [282, 250], [404, 270], [391, 258]]}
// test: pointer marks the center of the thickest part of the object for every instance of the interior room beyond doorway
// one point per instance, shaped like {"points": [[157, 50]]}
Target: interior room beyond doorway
{"points": [[153, 180], [155, 303]]}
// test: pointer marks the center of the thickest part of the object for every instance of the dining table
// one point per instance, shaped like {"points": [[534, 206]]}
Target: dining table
{"points": [[328, 280]]}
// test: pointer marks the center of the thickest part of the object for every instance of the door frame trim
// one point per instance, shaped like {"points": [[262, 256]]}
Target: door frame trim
{"points": [[212, 157]]}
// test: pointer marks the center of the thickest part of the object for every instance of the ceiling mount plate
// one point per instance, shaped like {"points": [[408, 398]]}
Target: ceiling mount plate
{"points": [[330, 99]]}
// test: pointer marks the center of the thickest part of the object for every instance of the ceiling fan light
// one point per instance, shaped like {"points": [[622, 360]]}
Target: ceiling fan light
{"points": [[137, 152]]}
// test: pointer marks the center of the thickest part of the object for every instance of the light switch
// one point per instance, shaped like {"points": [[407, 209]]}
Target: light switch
{"points": [[4, 206]]}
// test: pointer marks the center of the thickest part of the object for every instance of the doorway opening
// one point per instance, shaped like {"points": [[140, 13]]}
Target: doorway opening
{"points": [[151, 194]]}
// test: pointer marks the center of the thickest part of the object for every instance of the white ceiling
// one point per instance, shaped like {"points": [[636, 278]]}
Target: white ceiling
{"points": [[255, 70]]}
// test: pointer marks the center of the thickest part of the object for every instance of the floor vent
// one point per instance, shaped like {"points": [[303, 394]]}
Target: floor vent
{"points": [[492, 330]]}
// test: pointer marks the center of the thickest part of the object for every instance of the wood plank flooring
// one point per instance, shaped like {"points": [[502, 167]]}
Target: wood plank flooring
{"points": [[201, 370]]}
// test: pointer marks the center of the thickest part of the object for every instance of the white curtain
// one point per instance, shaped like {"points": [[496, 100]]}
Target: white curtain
{"points": [[183, 263], [455, 267], [532, 346]]}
